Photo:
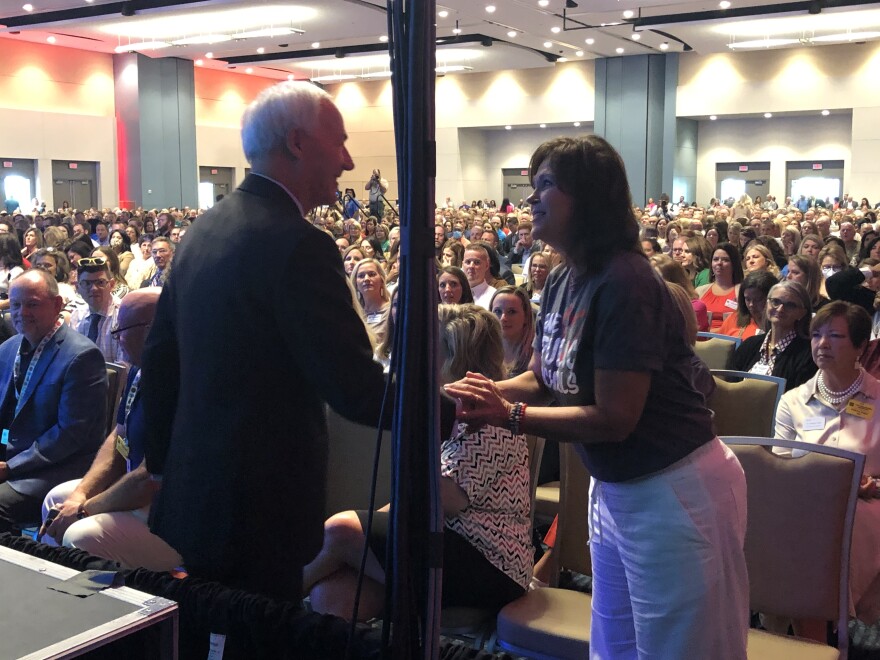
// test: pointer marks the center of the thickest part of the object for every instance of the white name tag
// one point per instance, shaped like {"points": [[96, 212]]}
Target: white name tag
{"points": [[814, 424], [731, 304], [216, 645], [760, 369]]}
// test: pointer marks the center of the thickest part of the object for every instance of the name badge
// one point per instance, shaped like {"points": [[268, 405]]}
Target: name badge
{"points": [[760, 369], [860, 409], [4, 439], [122, 446], [814, 424], [731, 304]]}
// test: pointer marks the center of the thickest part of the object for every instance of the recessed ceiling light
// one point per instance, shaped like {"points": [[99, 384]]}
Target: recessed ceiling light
{"points": [[542, 126], [261, 50], [556, 29], [579, 53], [713, 117], [209, 55], [577, 123], [562, 59], [90, 1], [825, 113], [763, 43], [635, 36], [548, 44], [543, 3], [724, 4], [290, 76], [316, 44], [200, 62], [202, 39], [384, 38], [590, 41], [249, 70], [453, 68], [629, 13], [664, 46], [618, 50], [456, 30], [490, 9], [28, 7], [511, 34], [508, 127], [50, 39], [767, 115], [442, 13]]}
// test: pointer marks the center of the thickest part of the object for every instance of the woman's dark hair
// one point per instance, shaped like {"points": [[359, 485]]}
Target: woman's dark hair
{"points": [[865, 252], [467, 296], [10, 251], [701, 252], [655, 246], [857, 320], [80, 247], [112, 262], [457, 248], [735, 261], [759, 279], [379, 254], [126, 241], [590, 170], [62, 264], [721, 227]]}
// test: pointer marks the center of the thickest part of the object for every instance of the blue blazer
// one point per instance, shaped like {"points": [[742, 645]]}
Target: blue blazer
{"points": [[61, 424]]}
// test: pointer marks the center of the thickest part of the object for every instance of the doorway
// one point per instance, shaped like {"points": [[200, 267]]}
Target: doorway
{"points": [[213, 182], [75, 182]]}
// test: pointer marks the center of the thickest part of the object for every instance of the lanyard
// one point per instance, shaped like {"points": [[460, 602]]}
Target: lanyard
{"points": [[16, 367], [129, 400]]}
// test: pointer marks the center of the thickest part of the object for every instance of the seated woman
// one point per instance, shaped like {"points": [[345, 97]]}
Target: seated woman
{"points": [[453, 286], [784, 351], [672, 271], [121, 288], [484, 490], [832, 260], [839, 334], [373, 298], [757, 257], [720, 297], [539, 268], [350, 257], [452, 254], [751, 303], [697, 259], [511, 306], [805, 271]]}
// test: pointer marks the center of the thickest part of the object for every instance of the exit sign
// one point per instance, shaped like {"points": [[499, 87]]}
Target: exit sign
{"points": [[213, 171], [7, 163], [73, 166], [817, 166], [743, 168]]}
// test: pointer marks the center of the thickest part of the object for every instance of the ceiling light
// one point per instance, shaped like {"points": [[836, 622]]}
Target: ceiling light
{"points": [[848, 36], [376, 74], [562, 59], [713, 117], [619, 51], [202, 39], [456, 29], [629, 13], [762, 43], [511, 34], [384, 38], [290, 76], [548, 44], [316, 44], [490, 9], [249, 70], [543, 3], [542, 126], [508, 127], [442, 13], [209, 55], [90, 1], [724, 4], [200, 62], [267, 32], [590, 41], [767, 115], [335, 77], [28, 7], [261, 50], [825, 113], [142, 45], [635, 36], [555, 29], [664, 46], [453, 68], [51, 39], [576, 124], [579, 53]]}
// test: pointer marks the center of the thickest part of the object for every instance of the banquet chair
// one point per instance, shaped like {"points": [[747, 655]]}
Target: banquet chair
{"points": [[798, 539], [745, 404], [714, 349]]}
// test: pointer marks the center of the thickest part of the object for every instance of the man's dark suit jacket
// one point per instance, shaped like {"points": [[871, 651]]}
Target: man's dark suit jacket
{"points": [[245, 349], [61, 424]]}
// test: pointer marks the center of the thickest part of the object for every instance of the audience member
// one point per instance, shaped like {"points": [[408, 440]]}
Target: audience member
{"points": [[162, 251], [511, 306], [368, 279], [96, 319], [751, 304], [453, 286], [476, 268], [722, 295]]}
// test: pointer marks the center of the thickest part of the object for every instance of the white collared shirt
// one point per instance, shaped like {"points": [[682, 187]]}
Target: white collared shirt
{"points": [[483, 295], [79, 321]]}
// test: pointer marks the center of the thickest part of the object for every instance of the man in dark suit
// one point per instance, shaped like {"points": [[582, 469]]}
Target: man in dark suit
{"points": [[53, 400], [244, 352]]}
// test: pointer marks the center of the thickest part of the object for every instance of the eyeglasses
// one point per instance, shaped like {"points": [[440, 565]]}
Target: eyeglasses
{"points": [[92, 262], [89, 284], [787, 305], [115, 332]]}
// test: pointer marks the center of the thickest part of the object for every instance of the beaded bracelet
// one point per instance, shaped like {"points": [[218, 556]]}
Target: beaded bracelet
{"points": [[516, 417]]}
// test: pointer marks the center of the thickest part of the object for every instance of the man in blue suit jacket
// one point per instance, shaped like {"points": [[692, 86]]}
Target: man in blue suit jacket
{"points": [[53, 400]]}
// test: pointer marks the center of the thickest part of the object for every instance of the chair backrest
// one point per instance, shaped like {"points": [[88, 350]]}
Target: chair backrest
{"points": [[536, 451], [117, 374], [715, 335], [572, 538], [715, 352], [747, 407], [800, 518]]}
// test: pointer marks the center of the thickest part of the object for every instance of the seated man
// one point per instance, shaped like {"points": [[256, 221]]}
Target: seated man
{"points": [[476, 267], [105, 512], [162, 250], [53, 400], [95, 283]]}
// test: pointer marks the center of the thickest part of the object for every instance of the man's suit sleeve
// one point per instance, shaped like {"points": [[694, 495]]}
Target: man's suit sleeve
{"points": [[81, 409], [160, 382]]}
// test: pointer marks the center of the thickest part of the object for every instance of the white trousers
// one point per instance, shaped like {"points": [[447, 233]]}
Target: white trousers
{"points": [[669, 574], [122, 536]]}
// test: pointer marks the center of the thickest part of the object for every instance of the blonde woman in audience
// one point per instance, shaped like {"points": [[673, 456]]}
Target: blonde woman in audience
{"points": [[539, 269], [368, 279], [757, 258], [671, 271], [805, 271], [791, 240], [512, 308], [810, 246], [350, 257]]}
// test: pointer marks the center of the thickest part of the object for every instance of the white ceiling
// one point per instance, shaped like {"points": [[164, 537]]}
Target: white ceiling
{"points": [[349, 25]]}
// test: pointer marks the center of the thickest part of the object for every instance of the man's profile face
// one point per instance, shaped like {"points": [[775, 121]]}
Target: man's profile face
{"points": [[324, 155], [489, 237], [165, 221], [161, 253], [439, 236], [475, 266]]}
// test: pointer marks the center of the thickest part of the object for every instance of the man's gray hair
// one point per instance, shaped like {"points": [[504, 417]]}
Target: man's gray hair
{"points": [[275, 112], [51, 284]]}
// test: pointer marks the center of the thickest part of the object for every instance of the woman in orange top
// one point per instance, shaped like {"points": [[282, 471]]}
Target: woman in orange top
{"points": [[720, 296], [752, 302]]}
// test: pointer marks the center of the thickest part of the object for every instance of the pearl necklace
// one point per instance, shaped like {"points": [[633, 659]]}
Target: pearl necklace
{"points": [[836, 398]]}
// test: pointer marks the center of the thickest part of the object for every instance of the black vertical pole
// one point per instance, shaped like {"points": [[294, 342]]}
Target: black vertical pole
{"points": [[416, 517]]}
